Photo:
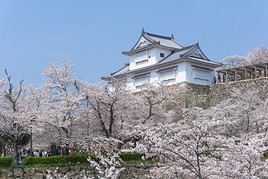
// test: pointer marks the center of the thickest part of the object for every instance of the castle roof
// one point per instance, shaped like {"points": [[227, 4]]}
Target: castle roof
{"points": [[152, 41]]}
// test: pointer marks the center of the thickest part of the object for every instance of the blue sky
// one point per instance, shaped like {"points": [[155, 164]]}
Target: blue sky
{"points": [[92, 34]]}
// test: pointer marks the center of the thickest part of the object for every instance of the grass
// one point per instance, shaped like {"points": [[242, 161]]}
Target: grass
{"points": [[68, 159], [60, 165], [5, 162], [140, 162], [129, 159], [130, 163]]}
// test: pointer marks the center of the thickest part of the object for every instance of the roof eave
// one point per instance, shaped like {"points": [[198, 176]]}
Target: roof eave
{"points": [[202, 61], [181, 60], [170, 63], [108, 78], [132, 52]]}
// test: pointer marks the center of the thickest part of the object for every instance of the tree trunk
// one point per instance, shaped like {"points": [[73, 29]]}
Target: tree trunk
{"points": [[1, 151], [247, 115], [88, 126], [5, 150], [16, 153]]}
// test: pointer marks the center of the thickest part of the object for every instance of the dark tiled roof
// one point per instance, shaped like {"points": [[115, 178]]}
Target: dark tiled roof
{"points": [[121, 70], [189, 51], [156, 40], [163, 40], [158, 36]]}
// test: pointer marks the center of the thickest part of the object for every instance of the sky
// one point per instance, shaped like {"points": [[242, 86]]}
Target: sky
{"points": [[92, 33]]}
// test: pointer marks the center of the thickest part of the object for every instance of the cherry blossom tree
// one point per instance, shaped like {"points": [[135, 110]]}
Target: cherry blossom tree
{"points": [[112, 112], [187, 147], [259, 55], [255, 56], [62, 102], [106, 161], [35, 113], [103, 104], [224, 141], [219, 142], [233, 61], [14, 130]]}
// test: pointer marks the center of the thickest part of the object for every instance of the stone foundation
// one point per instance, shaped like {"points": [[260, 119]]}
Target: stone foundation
{"points": [[205, 96], [74, 172], [222, 91]]}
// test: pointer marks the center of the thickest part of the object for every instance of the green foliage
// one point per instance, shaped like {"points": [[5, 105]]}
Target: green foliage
{"points": [[23, 138], [265, 155], [76, 158], [127, 156], [210, 154], [147, 162], [5, 161], [72, 159]]}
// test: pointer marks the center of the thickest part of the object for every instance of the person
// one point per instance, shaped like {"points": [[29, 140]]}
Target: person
{"points": [[36, 153], [44, 153]]}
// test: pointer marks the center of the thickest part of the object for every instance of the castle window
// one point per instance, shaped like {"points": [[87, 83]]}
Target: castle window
{"points": [[167, 76], [162, 55], [141, 62], [140, 81], [201, 73]]}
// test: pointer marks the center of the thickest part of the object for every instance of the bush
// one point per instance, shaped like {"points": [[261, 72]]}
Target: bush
{"points": [[127, 156], [76, 158], [5, 161], [265, 155], [73, 159]]}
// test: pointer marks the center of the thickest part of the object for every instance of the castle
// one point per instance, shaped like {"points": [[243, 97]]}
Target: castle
{"points": [[160, 60]]}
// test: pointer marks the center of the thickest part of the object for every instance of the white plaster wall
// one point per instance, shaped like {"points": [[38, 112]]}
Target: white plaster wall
{"points": [[157, 51], [130, 84], [144, 55], [190, 74], [152, 55], [154, 77], [181, 73], [184, 73]]}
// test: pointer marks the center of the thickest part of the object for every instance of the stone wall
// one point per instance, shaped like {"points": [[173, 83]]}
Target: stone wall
{"points": [[222, 91], [205, 96], [42, 172], [74, 172], [197, 95], [192, 95]]}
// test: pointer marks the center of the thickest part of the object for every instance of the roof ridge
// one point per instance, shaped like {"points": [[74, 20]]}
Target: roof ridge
{"points": [[190, 47], [159, 36], [193, 49], [172, 38], [166, 57], [187, 47]]}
